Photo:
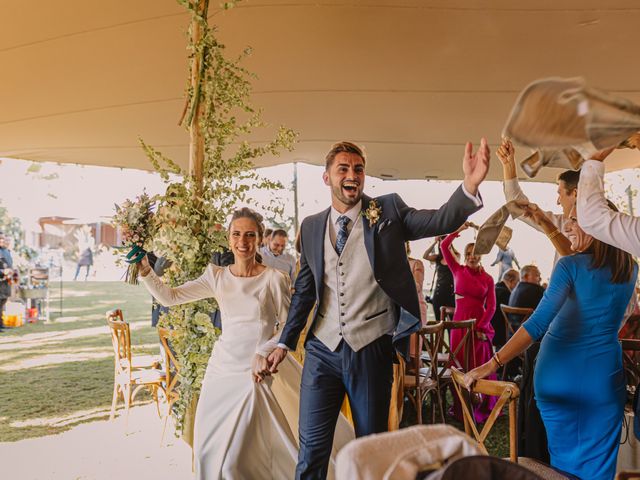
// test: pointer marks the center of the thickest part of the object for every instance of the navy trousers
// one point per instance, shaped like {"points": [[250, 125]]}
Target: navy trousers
{"points": [[364, 376]]}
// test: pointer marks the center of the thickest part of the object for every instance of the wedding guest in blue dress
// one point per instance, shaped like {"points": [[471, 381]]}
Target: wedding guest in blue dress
{"points": [[579, 381]]}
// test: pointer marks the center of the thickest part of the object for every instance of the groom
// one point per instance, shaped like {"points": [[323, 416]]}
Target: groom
{"points": [[354, 267]]}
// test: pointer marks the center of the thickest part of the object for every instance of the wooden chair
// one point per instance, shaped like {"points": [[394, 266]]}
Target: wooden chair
{"points": [[172, 372], [628, 476], [506, 310], [129, 380], [507, 393], [420, 381], [448, 355], [139, 361], [524, 313]]}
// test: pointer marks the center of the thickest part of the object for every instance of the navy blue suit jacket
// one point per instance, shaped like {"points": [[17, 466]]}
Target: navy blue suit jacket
{"points": [[385, 245]]}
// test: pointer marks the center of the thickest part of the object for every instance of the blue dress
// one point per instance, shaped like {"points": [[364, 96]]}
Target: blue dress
{"points": [[579, 381]]}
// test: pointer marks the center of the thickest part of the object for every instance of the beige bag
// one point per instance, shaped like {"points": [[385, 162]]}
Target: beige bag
{"points": [[402, 454]]}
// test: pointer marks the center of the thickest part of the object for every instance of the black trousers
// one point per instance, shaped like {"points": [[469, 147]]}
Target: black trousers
{"points": [[364, 376]]}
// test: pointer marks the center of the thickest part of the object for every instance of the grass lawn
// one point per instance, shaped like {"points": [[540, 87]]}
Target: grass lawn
{"points": [[56, 375]]}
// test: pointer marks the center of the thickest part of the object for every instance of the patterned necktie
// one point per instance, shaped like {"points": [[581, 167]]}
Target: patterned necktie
{"points": [[343, 233]]}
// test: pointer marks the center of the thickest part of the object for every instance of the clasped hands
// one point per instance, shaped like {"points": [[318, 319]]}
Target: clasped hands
{"points": [[263, 367]]}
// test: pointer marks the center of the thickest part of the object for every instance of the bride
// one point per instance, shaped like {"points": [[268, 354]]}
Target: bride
{"points": [[245, 417]]}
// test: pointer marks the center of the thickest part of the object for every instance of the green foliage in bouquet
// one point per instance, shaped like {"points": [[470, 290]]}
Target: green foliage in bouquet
{"points": [[136, 221], [191, 216]]}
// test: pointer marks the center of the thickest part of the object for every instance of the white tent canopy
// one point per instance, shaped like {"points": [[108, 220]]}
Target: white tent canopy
{"points": [[412, 80]]}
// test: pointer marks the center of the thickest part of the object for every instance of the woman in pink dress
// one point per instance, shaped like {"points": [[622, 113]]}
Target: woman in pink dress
{"points": [[475, 298]]}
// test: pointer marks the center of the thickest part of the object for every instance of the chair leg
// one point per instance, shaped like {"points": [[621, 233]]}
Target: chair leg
{"points": [[418, 404], [166, 419], [440, 405], [154, 395], [127, 405], [114, 401]]}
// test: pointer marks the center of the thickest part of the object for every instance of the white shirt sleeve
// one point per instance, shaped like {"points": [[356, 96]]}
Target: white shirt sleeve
{"points": [[476, 199], [202, 287], [513, 192], [597, 219]]}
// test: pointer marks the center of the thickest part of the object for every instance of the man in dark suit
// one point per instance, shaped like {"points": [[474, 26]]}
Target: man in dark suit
{"points": [[527, 293], [354, 268], [510, 279]]}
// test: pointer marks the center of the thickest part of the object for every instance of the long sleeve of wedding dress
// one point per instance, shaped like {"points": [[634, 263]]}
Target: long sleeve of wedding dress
{"points": [[280, 301], [198, 289]]}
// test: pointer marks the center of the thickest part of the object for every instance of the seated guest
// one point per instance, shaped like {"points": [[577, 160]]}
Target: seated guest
{"points": [[579, 381], [504, 287], [527, 293], [274, 256]]}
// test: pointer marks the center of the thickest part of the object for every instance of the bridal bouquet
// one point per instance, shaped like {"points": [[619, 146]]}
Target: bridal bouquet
{"points": [[135, 219]]}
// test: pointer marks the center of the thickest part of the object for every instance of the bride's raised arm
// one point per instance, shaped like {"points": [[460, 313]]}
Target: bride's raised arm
{"points": [[281, 298], [198, 289]]}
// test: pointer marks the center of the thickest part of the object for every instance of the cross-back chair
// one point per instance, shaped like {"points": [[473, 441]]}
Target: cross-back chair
{"points": [[449, 355], [506, 310], [507, 393], [172, 371], [130, 379], [422, 379], [524, 314]]}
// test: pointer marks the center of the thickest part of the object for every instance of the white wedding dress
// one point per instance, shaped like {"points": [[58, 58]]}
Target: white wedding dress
{"points": [[244, 430]]}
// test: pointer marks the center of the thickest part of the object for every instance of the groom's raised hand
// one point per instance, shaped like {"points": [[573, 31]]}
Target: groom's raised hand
{"points": [[475, 165], [275, 358]]}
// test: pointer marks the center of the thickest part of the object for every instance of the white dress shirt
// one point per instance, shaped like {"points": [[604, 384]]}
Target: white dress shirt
{"points": [[597, 219]]}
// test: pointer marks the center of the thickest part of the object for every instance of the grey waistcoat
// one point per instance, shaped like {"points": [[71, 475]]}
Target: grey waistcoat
{"points": [[353, 306]]}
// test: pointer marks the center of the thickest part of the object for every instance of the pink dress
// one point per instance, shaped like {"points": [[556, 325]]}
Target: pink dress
{"points": [[475, 298]]}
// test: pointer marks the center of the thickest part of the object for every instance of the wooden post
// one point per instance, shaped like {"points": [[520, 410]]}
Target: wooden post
{"points": [[196, 139]]}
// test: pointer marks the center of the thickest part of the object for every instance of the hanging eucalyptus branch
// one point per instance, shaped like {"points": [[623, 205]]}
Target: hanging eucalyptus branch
{"points": [[191, 212]]}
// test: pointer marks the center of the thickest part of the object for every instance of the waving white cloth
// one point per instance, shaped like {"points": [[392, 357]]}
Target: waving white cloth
{"points": [[565, 120]]}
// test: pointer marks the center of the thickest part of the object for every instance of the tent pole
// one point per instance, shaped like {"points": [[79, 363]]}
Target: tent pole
{"points": [[196, 139]]}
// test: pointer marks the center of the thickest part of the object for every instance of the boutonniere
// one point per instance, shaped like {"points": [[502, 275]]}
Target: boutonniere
{"points": [[373, 213]]}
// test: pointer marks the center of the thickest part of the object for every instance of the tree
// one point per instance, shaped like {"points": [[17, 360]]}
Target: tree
{"points": [[220, 117], [12, 228]]}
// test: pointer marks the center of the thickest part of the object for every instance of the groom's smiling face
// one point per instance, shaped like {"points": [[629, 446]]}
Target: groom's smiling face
{"points": [[345, 176]]}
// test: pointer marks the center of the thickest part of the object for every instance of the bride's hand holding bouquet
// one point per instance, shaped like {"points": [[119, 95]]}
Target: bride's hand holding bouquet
{"points": [[135, 219]]}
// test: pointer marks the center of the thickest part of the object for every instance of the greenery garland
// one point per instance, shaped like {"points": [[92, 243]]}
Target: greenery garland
{"points": [[190, 213]]}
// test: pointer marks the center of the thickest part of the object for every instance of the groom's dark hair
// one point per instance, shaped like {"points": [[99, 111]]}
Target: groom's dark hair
{"points": [[340, 147]]}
